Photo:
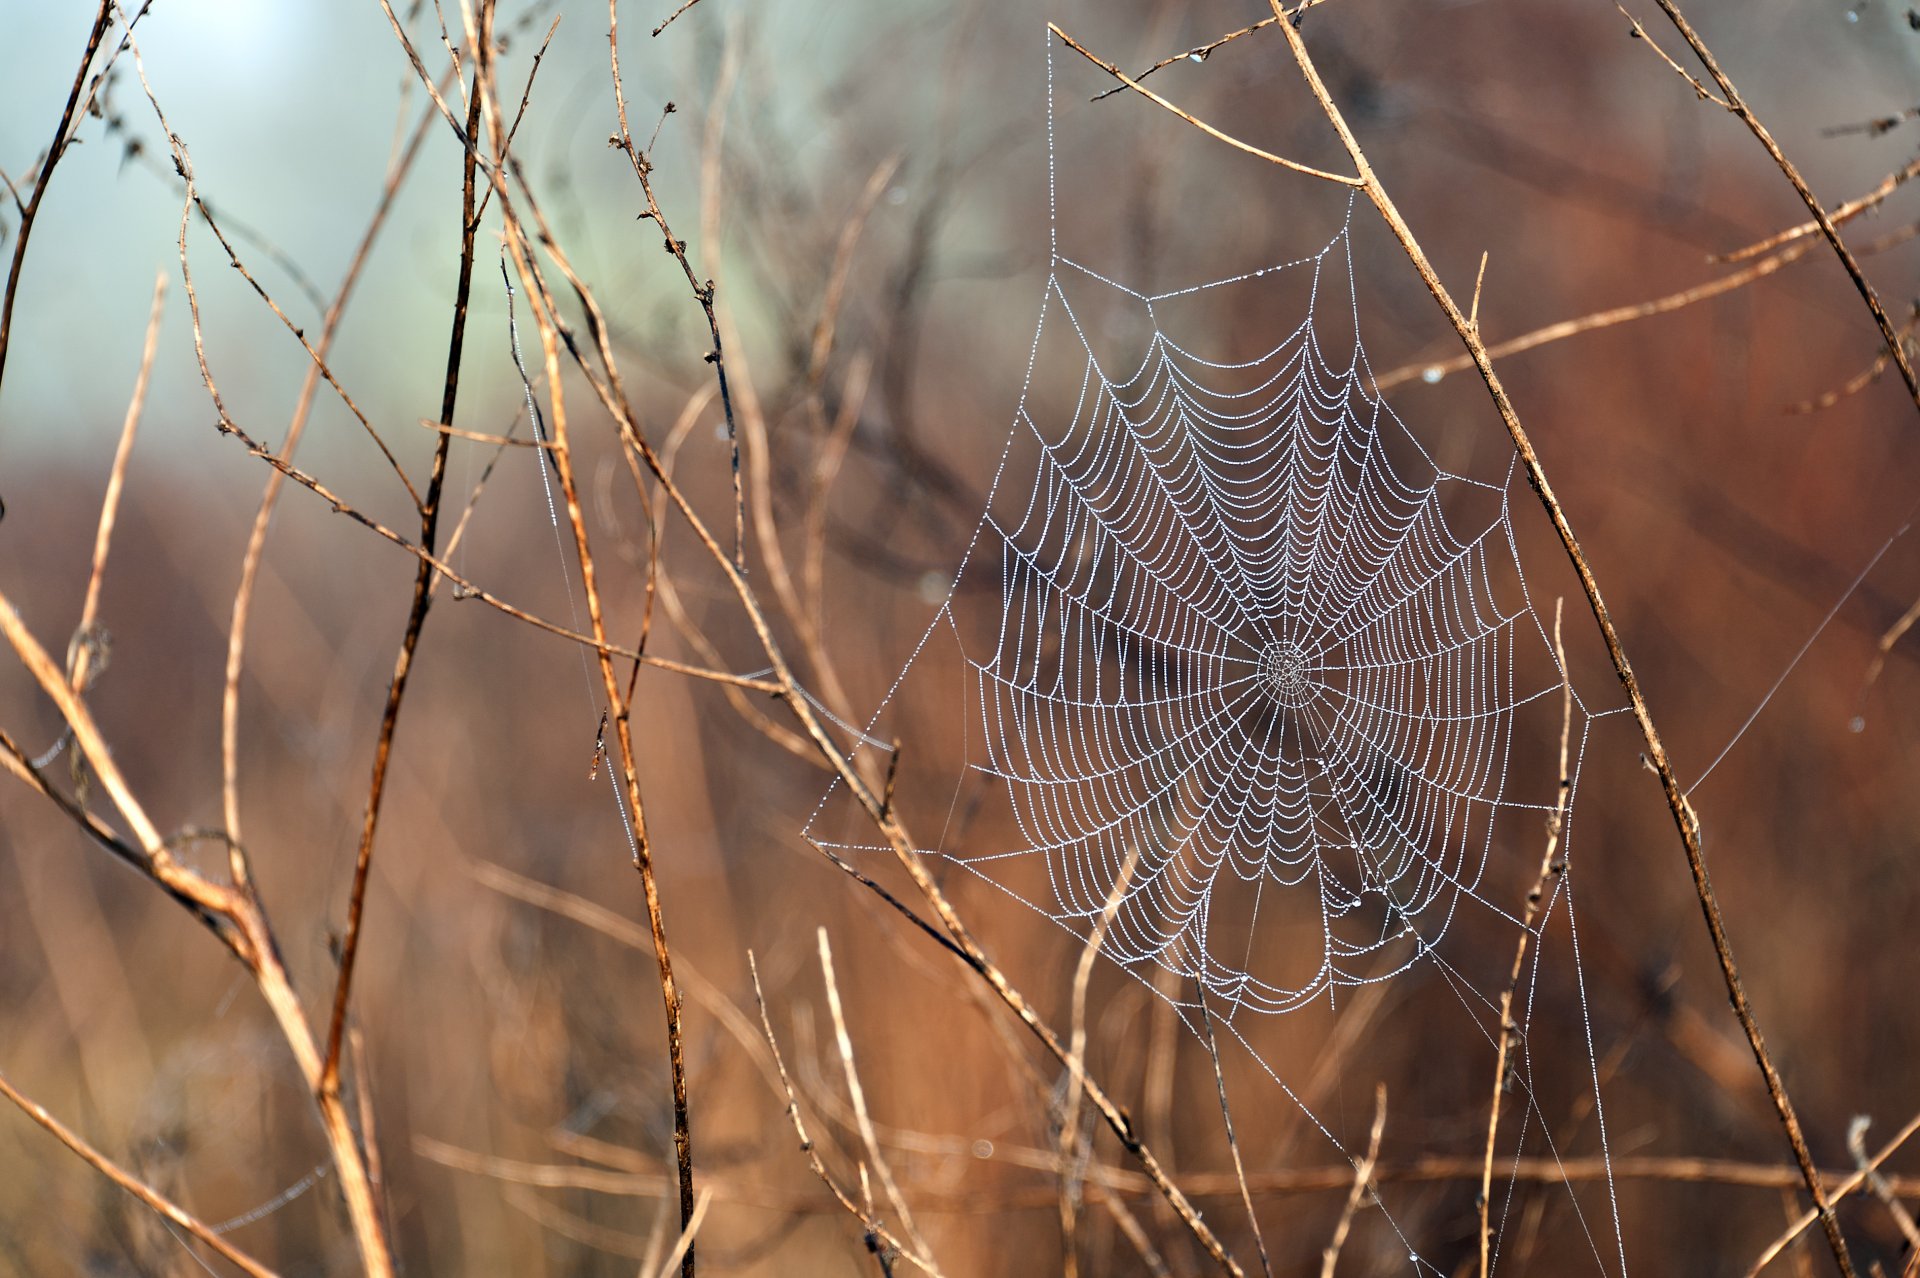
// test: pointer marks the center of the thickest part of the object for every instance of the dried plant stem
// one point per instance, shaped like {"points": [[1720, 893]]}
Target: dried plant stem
{"points": [[234, 913], [133, 1184], [1551, 867], [1131, 83], [1734, 103], [62, 138], [1683, 815], [255, 553], [1362, 1180], [857, 1094], [1840, 1190], [422, 595], [878, 1237], [80, 661], [1070, 1155]]}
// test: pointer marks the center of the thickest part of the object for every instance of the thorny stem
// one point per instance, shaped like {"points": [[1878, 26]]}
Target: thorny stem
{"points": [[1684, 817]]}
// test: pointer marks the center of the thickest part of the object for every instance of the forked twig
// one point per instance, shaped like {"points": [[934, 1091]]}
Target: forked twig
{"points": [[234, 914]]}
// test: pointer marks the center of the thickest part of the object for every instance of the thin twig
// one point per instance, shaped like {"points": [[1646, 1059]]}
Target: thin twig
{"points": [[857, 1094], [62, 137], [1841, 213], [1683, 815], [676, 13], [1551, 867], [1738, 106], [1362, 1181], [1844, 1187], [1902, 1218], [878, 1236], [81, 671], [1131, 83], [133, 1184], [422, 596]]}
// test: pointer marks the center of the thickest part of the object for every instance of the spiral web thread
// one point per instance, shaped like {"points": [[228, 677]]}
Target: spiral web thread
{"points": [[1241, 640]]}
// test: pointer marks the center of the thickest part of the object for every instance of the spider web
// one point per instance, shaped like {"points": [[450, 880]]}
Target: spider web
{"points": [[1246, 682]]}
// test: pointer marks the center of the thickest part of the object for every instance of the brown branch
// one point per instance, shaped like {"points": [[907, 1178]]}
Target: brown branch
{"points": [[1737, 106], [61, 139], [877, 1234], [676, 13], [235, 915], [422, 598], [1684, 818], [1131, 83], [1433, 370], [133, 1184], [255, 553], [80, 658]]}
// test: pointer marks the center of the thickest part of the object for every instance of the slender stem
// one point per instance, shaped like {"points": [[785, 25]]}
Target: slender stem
{"points": [[1895, 347], [61, 137]]}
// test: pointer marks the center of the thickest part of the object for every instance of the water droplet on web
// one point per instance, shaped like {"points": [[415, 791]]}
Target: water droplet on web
{"points": [[1432, 373], [933, 587], [1261, 271], [983, 1149], [1856, 724]]}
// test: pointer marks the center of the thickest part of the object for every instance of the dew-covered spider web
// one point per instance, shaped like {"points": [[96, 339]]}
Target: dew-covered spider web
{"points": [[1240, 675]]}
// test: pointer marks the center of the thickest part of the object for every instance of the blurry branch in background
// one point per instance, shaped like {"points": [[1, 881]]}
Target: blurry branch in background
{"points": [[1733, 103], [1774, 252], [1362, 1185], [880, 1242], [855, 1093], [135, 1186], [1075, 1147], [233, 912]]}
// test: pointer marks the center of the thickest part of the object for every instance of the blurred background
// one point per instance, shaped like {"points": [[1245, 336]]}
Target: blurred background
{"points": [[867, 184]]}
